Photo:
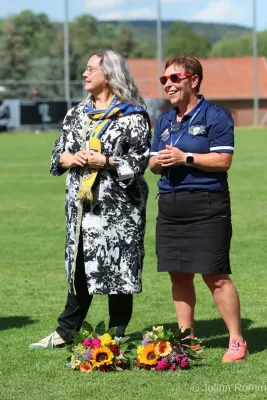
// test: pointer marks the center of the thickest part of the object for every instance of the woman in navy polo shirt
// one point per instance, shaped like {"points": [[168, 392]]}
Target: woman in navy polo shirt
{"points": [[192, 151]]}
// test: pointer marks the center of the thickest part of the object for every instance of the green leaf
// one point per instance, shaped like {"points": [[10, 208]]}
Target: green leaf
{"points": [[100, 328], [77, 338], [88, 327], [112, 332], [121, 357], [191, 341], [125, 339], [183, 335]]}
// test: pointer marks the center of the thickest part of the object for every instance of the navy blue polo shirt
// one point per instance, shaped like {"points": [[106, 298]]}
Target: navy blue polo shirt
{"points": [[207, 128]]}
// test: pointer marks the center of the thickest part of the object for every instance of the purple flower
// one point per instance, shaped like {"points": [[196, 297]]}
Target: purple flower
{"points": [[185, 363], [162, 365], [173, 367], [146, 341], [88, 355]]}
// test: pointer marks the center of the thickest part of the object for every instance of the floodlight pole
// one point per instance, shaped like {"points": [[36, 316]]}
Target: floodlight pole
{"points": [[66, 56], [159, 48], [255, 66]]}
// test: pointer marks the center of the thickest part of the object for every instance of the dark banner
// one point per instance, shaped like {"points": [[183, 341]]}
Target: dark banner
{"points": [[35, 112]]}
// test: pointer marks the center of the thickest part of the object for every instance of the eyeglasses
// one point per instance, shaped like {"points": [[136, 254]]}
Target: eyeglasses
{"points": [[175, 78], [90, 70]]}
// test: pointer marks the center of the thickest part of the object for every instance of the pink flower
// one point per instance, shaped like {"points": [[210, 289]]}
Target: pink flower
{"points": [[162, 365], [173, 367], [95, 343], [178, 358], [185, 363], [86, 343]]}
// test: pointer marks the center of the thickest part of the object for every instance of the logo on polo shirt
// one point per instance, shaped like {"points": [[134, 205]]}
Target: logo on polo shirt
{"points": [[197, 130], [165, 135]]}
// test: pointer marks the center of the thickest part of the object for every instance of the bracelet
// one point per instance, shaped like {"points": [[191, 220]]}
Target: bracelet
{"points": [[107, 162]]}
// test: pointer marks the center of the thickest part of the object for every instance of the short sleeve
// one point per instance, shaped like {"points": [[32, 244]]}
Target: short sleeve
{"points": [[221, 135], [156, 138]]}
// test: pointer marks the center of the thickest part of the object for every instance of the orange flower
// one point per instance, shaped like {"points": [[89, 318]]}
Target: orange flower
{"points": [[148, 355], [86, 367], [163, 348]]}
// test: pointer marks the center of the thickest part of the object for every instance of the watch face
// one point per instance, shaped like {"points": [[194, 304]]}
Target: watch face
{"points": [[189, 160]]}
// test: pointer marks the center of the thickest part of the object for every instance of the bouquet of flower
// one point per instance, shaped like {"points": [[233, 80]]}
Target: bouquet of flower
{"points": [[98, 350], [164, 350]]}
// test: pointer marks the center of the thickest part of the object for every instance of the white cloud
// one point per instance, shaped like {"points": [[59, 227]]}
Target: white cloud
{"points": [[111, 16], [219, 11], [139, 13], [102, 4]]}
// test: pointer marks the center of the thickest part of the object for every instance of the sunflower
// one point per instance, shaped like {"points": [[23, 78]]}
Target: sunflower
{"points": [[163, 348], [102, 355], [148, 355]]}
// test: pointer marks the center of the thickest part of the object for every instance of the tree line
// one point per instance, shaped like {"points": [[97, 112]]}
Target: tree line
{"points": [[32, 48]]}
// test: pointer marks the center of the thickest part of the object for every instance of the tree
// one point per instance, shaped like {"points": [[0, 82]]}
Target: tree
{"points": [[232, 47], [240, 47], [125, 43], [14, 58], [181, 40], [82, 30], [36, 32]]}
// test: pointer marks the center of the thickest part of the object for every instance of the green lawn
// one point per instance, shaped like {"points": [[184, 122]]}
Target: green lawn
{"points": [[33, 286]]}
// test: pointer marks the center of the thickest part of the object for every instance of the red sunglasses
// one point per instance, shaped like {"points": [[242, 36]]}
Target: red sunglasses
{"points": [[174, 78]]}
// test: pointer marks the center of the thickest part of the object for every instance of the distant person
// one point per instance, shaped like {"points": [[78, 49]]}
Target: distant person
{"points": [[192, 151], [42, 110], [4, 115], [35, 94], [105, 145]]}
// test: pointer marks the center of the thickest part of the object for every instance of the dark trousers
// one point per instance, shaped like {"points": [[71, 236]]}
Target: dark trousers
{"points": [[77, 305]]}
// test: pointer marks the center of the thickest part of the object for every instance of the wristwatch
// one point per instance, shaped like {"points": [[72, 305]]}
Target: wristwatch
{"points": [[189, 159]]}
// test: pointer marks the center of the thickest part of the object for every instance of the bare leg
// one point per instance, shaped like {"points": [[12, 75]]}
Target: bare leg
{"points": [[227, 301], [184, 298]]}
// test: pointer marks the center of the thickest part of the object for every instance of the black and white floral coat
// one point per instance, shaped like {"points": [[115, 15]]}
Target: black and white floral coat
{"points": [[113, 228]]}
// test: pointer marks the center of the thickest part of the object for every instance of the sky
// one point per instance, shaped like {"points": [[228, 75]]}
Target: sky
{"points": [[238, 12]]}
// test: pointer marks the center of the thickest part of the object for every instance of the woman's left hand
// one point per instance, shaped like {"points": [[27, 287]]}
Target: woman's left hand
{"points": [[95, 160], [171, 156]]}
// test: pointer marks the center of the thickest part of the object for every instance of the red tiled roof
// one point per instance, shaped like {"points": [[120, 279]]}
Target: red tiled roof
{"points": [[224, 78]]}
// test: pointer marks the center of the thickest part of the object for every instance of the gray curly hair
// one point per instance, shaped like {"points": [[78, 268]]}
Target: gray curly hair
{"points": [[120, 80]]}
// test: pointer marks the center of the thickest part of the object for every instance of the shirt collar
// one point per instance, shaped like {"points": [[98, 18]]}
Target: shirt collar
{"points": [[173, 111]]}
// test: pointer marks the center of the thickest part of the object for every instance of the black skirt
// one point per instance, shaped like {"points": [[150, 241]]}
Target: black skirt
{"points": [[193, 232]]}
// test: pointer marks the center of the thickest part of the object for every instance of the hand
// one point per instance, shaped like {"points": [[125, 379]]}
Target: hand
{"points": [[68, 160], [95, 160], [171, 156], [80, 158]]}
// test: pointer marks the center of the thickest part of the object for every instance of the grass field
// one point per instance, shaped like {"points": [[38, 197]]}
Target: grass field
{"points": [[33, 286]]}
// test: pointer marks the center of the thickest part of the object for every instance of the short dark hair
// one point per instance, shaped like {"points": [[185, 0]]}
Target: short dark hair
{"points": [[190, 64]]}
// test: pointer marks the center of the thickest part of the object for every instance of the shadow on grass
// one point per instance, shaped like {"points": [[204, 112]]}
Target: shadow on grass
{"points": [[16, 321], [207, 329]]}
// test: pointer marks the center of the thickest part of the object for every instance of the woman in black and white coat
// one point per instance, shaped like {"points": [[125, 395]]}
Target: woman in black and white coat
{"points": [[105, 234]]}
